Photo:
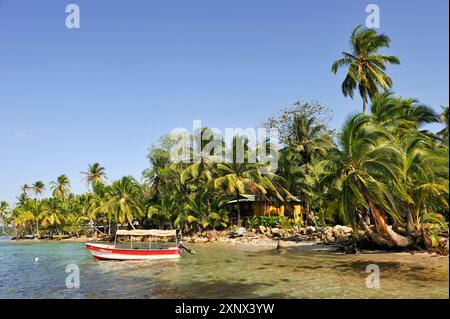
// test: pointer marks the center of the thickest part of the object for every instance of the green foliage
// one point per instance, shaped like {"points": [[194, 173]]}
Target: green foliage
{"points": [[365, 67], [382, 168], [270, 221]]}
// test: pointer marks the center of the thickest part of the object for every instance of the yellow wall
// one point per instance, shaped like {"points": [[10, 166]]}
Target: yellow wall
{"points": [[270, 209]]}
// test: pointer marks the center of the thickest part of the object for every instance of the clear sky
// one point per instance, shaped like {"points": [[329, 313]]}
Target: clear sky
{"points": [[135, 70]]}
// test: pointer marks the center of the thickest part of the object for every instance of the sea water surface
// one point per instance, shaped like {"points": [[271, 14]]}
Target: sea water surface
{"points": [[218, 271]]}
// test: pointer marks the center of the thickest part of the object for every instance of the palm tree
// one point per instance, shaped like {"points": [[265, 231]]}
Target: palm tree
{"points": [[95, 174], [236, 178], [25, 188], [98, 205], [425, 180], [61, 187], [5, 215], [366, 68], [366, 180], [309, 141], [404, 118], [401, 116], [126, 201], [38, 188], [444, 119], [52, 213], [22, 218]]}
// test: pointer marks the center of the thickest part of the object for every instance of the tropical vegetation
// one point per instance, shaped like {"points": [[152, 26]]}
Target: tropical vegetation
{"points": [[383, 173]]}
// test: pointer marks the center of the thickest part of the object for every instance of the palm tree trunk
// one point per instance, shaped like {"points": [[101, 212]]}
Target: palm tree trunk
{"points": [[385, 231], [238, 210], [364, 102], [410, 225], [377, 239]]}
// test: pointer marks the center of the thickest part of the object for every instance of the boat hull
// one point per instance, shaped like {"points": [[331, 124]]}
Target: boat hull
{"points": [[109, 252]]}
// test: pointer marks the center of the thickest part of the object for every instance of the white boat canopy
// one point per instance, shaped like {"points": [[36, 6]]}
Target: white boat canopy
{"points": [[147, 232]]}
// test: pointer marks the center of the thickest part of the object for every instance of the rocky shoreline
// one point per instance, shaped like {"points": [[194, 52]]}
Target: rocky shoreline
{"points": [[341, 238]]}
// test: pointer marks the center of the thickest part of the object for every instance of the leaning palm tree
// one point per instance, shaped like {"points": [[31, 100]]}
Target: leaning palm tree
{"points": [[425, 180], [399, 115], [366, 181], [366, 68], [61, 187], [38, 188], [95, 174]]}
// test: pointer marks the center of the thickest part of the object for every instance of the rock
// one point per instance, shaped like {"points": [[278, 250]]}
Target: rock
{"points": [[201, 240], [338, 229], [285, 233], [275, 232], [212, 235], [329, 239], [352, 249], [446, 246], [281, 244], [238, 232], [262, 229], [342, 238], [310, 229]]}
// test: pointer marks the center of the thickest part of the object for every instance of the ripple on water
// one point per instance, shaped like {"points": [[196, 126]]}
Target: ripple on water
{"points": [[219, 271]]}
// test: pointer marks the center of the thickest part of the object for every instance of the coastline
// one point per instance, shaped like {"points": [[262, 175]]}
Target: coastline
{"points": [[261, 244]]}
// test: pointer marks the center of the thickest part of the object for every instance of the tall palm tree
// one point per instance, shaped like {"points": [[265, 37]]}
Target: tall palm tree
{"points": [[25, 188], [95, 174], [61, 186], [38, 188], [310, 141], [366, 68]]}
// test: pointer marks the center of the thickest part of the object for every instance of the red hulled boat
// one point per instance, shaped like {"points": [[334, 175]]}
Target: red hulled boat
{"points": [[112, 252]]}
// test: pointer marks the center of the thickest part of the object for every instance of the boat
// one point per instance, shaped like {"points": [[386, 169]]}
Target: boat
{"points": [[150, 252]]}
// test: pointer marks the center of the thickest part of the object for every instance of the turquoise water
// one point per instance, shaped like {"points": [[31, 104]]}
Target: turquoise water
{"points": [[218, 271]]}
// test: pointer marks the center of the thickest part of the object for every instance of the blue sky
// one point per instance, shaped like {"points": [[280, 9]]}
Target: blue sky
{"points": [[137, 69]]}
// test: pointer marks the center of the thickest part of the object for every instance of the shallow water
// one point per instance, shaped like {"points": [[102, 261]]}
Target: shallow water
{"points": [[219, 271]]}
